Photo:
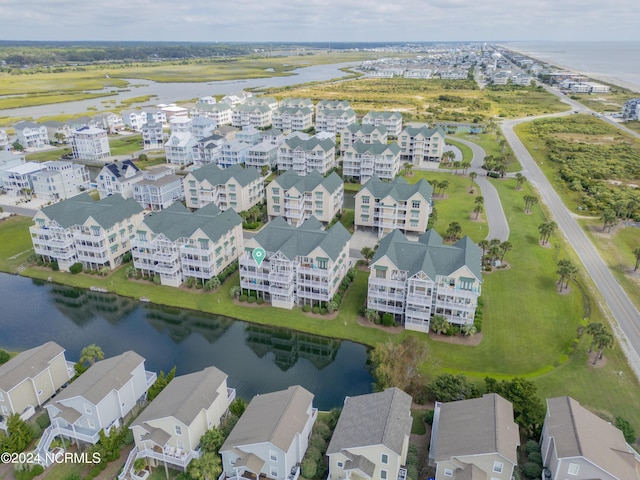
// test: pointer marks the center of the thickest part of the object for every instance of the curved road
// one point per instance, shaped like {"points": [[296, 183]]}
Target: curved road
{"points": [[625, 313], [498, 226]]}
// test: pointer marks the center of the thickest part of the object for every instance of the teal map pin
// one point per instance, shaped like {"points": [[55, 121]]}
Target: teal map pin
{"points": [[258, 255]]}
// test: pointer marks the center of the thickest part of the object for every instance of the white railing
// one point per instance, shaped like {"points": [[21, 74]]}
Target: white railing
{"points": [[231, 395], [128, 464]]}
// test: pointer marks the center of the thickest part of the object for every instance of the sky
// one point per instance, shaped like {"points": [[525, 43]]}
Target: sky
{"points": [[320, 20]]}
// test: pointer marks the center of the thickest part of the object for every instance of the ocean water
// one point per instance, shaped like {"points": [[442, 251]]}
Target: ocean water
{"points": [[608, 61]]}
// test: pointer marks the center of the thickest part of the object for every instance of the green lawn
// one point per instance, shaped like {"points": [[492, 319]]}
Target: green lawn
{"points": [[121, 145], [418, 427], [491, 146], [347, 219], [15, 243], [467, 153], [352, 187], [46, 155]]}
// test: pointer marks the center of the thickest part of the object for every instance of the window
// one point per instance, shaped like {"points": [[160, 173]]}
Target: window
{"points": [[178, 430], [497, 467], [381, 273], [39, 392], [448, 472], [232, 461], [276, 191], [87, 408], [204, 243], [383, 474], [574, 468], [385, 458], [1, 397], [180, 445], [232, 188], [91, 423], [340, 464], [365, 200], [415, 204], [276, 200], [273, 455], [5, 410], [273, 471]]}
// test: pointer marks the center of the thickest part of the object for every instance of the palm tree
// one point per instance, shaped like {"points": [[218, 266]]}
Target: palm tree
{"points": [[595, 329], [468, 329], [371, 314], [473, 176], [565, 267], [408, 166], [479, 205], [367, 253], [484, 245], [255, 212], [444, 184], [520, 179], [505, 247], [529, 202], [435, 184], [448, 157], [604, 340], [636, 252], [439, 324], [546, 229], [454, 231], [464, 165], [90, 354]]}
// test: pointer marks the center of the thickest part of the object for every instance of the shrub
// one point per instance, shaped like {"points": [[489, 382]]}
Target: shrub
{"points": [[315, 310], [260, 301], [535, 457], [309, 468], [95, 471], [313, 454], [532, 446], [243, 298], [156, 279], [387, 319], [428, 417], [378, 320], [75, 268], [627, 430], [252, 299], [306, 308], [4, 356], [532, 470], [127, 257], [54, 266], [323, 311]]}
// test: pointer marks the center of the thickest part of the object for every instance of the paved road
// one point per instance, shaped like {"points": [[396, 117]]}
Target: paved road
{"points": [[626, 315], [498, 226], [26, 212]]}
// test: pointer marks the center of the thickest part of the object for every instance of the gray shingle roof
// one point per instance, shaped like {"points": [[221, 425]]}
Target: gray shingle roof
{"points": [[273, 417], [103, 377], [177, 221], [429, 254], [476, 426], [578, 432], [378, 148], [185, 397], [294, 142], [309, 182], [366, 129], [218, 176], [398, 189], [328, 112], [118, 168], [414, 130], [27, 364], [107, 212], [382, 418], [385, 115], [279, 236], [294, 110]]}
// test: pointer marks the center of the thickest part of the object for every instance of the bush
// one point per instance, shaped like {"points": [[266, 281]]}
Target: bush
{"points": [[315, 310], [535, 457], [313, 454], [54, 266], [95, 471], [306, 308], [387, 319], [378, 320], [323, 311], [75, 268], [532, 470], [428, 417], [252, 299], [627, 430], [260, 301], [243, 298], [309, 468], [156, 279], [532, 446], [4, 356]]}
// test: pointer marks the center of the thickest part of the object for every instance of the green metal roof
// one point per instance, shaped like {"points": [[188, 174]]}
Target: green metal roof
{"points": [[366, 129], [398, 189], [376, 148], [178, 222], [385, 115], [290, 179], [218, 176], [429, 254], [107, 212], [309, 144], [279, 236], [424, 130]]}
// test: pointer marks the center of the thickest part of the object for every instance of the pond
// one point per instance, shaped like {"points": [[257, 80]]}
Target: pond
{"points": [[257, 359]]}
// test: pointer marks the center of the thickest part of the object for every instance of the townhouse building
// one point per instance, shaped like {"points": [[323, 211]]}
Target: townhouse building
{"points": [[332, 105], [304, 155], [263, 154], [168, 431], [420, 144], [79, 229], [271, 437], [371, 438], [180, 125], [208, 150], [202, 127], [158, 189], [152, 135], [90, 144], [234, 188], [302, 265], [362, 161], [234, 152], [109, 121], [363, 134], [384, 206], [334, 121], [58, 132], [220, 113], [249, 135], [297, 198], [60, 180], [631, 110], [18, 180], [4, 140], [118, 177], [391, 120], [292, 119], [415, 280], [30, 379], [273, 136], [578, 444], [474, 438], [134, 119], [98, 400], [176, 244], [9, 160], [31, 135], [257, 116], [158, 115], [297, 103], [179, 148], [270, 102]]}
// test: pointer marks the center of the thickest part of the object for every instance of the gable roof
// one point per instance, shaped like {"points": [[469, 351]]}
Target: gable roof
{"points": [[415, 130], [398, 189], [219, 176], [279, 236], [474, 427], [382, 418], [273, 417], [307, 183], [429, 254], [27, 364], [118, 168], [579, 433], [379, 148], [354, 128], [309, 144], [102, 377], [77, 210], [184, 397], [372, 115], [177, 221]]}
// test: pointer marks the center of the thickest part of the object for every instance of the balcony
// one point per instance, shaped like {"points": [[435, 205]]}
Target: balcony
{"points": [[150, 377]]}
